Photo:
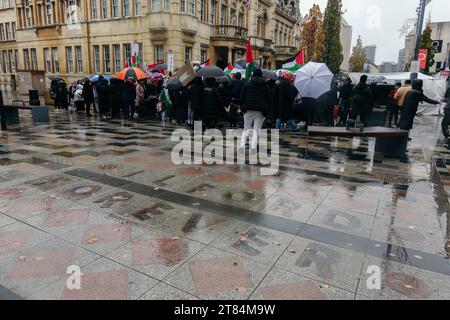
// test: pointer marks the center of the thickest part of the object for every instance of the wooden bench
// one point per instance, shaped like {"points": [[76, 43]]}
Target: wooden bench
{"points": [[390, 142]]}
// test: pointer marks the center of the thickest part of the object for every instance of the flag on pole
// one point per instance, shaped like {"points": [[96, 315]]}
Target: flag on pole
{"points": [[207, 63], [228, 69], [250, 63], [294, 63]]}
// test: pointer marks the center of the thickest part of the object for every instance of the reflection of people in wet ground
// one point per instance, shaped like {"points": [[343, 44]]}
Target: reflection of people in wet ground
{"points": [[412, 100]]}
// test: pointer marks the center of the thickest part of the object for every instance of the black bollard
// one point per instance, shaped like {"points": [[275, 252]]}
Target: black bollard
{"points": [[2, 112]]}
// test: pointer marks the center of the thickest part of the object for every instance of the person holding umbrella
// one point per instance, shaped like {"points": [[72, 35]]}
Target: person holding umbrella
{"points": [[254, 100]]}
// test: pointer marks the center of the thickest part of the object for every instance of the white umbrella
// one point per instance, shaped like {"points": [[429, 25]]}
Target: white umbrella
{"points": [[313, 80]]}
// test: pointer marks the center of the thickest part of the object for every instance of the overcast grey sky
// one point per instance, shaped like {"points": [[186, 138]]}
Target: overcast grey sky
{"points": [[378, 21]]}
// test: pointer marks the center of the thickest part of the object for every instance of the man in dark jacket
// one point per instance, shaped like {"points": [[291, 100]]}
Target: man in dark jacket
{"points": [[88, 96], [236, 86], [254, 100], [151, 97], [128, 97], [115, 96], [411, 103], [361, 96], [195, 96], [345, 96], [103, 97], [285, 95], [180, 99], [212, 103]]}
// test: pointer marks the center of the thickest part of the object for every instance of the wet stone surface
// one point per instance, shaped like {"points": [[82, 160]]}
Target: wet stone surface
{"points": [[106, 197]]}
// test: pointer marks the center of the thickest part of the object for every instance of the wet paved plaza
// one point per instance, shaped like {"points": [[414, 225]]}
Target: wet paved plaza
{"points": [[106, 197]]}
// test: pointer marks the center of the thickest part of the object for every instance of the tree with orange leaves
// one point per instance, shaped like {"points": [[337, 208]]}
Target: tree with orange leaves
{"points": [[312, 35]]}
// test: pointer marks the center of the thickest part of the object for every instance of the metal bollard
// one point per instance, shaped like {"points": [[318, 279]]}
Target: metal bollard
{"points": [[2, 113]]}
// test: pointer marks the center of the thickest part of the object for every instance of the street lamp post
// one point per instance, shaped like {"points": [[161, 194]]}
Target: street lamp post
{"points": [[421, 17]]}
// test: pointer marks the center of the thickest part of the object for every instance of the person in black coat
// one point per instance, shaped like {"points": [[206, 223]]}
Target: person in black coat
{"points": [[195, 96], [446, 121], [345, 96], [254, 103], [115, 96], [285, 95], [411, 103], [308, 110], [88, 97], [63, 96], [103, 97], [272, 111], [128, 97], [212, 103], [236, 87], [180, 100], [361, 99], [151, 98]]}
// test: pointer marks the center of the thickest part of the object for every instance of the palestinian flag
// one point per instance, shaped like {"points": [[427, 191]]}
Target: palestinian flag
{"points": [[294, 63], [228, 69], [197, 66], [250, 63]]}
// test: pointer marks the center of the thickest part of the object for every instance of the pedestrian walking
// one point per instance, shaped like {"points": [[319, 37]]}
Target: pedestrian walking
{"points": [[253, 101]]}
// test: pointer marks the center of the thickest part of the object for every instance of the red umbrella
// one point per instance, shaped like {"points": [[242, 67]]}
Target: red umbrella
{"points": [[134, 73]]}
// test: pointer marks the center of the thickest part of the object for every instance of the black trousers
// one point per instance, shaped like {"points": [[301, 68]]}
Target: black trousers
{"points": [[445, 123]]}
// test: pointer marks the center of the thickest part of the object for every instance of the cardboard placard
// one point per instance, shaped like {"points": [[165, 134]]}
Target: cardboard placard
{"points": [[186, 74]]}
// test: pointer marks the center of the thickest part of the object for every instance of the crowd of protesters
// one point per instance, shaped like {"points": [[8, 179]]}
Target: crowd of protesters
{"points": [[255, 102]]}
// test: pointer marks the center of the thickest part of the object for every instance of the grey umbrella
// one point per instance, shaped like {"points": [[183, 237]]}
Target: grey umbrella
{"points": [[174, 84], [211, 72], [161, 66], [242, 63], [223, 79], [269, 75]]}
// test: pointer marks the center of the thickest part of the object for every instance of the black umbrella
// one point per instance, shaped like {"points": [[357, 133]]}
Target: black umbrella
{"points": [[269, 75], [174, 84], [56, 78], [211, 72]]}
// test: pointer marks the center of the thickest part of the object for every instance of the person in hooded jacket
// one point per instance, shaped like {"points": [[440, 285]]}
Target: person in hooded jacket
{"points": [[411, 103], [88, 97], [128, 97], [285, 95], [78, 98], [195, 96], [361, 97], [63, 95], [212, 103], [254, 100]]}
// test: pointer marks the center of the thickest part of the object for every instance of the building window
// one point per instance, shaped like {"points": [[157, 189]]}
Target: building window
{"points": [[187, 54], [203, 10], [115, 8], [127, 53], [159, 5], [27, 12], [2, 64], [104, 9], [6, 61], [13, 30], [191, 7], [183, 5], [223, 14], [79, 59], [106, 59], [96, 59], [12, 62], [16, 59], [94, 13], [69, 59], [8, 31], [26, 59], [117, 59], [126, 8], [203, 55], [159, 53], [49, 12], [137, 7], [34, 60], [2, 32], [55, 60], [212, 12], [48, 60]]}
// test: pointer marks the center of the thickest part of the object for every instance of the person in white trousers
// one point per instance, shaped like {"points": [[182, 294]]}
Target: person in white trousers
{"points": [[254, 101]]}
